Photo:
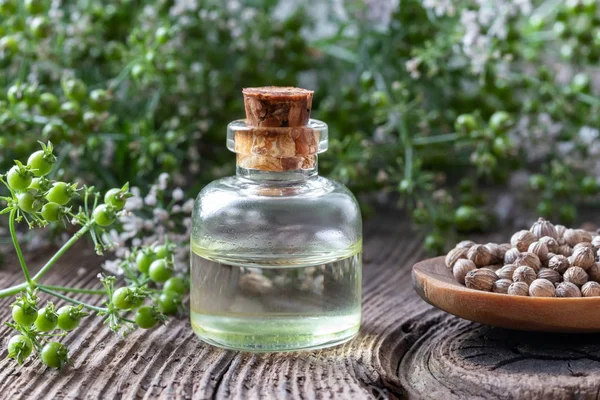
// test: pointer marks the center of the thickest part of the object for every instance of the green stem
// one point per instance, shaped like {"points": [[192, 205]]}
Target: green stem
{"points": [[13, 235], [590, 100], [447, 137], [127, 320], [13, 290], [73, 290], [70, 300], [62, 250], [408, 147]]}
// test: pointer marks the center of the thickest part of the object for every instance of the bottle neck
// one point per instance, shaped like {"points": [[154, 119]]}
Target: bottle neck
{"points": [[278, 176]]}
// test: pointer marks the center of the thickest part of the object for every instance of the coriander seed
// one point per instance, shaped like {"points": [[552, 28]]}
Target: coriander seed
{"points": [[541, 288], [454, 255], [524, 274], [564, 250], [550, 275], [591, 289], [496, 252], [522, 239], [518, 289], [506, 272], [560, 230], [594, 272], [529, 260], [539, 249], [583, 257], [511, 255], [575, 275], [480, 255], [596, 242], [587, 245], [505, 247], [501, 286], [461, 268], [544, 228], [480, 279], [559, 263], [567, 289], [575, 236], [551, 243], [465, 244]]}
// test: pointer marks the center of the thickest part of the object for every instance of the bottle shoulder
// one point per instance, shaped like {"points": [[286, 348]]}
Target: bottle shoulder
{"points": [[235, 187], [313, 216]]}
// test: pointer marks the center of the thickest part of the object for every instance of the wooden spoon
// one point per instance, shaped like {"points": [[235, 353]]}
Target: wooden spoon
{"points": [[434, 282]]}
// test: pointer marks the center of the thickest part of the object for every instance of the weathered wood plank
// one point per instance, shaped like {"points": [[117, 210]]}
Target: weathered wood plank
{"points": [[405, 349]]}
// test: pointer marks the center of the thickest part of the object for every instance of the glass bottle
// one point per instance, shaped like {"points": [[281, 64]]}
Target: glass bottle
{"points": [[276, 250]]}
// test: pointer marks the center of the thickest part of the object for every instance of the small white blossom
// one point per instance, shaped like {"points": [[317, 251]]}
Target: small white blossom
{"points": [[182, 6], [163, 179], [588, 135], [177, 194], [160, 214], [150, 199], [112, 266], [412, 66], [484, 25], [188, 206], [135, 202], [440, 7]]}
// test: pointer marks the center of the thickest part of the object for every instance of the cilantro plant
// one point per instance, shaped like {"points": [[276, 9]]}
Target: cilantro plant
{"points": [[149, 291]]}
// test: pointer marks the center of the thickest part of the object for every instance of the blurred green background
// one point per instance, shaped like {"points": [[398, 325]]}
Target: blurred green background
{"points": [[465, 112]]}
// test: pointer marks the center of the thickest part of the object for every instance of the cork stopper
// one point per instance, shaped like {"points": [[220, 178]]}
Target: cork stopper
{"points": [[272, 106], [278, 134]]}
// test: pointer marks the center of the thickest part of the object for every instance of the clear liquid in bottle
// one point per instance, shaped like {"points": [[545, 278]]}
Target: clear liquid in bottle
{"points": [[276, 304]]}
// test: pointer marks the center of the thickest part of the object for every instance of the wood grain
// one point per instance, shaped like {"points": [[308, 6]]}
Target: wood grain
{"points": [[406, 349], [434, 282]]}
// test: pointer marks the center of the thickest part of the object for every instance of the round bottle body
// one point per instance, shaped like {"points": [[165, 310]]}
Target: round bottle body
{"points": [[276, 264]]}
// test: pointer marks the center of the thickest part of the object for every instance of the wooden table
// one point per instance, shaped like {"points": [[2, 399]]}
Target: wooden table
{"points": [[405, 349]]}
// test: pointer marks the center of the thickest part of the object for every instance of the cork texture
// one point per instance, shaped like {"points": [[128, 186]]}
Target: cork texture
{"points": [[272, 106]]}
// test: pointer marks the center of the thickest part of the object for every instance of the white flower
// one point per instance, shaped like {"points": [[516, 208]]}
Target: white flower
{"points": [[112, 266], [482, 26], [160, 214], [412, 66], [177, 194], [382, 176], [188, 206], [135, 202], [163, 179], [150, 199], [588, 135], [565, 148], [132, 224], [440, 7], [182, 6]]}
